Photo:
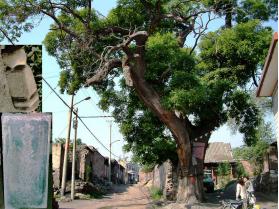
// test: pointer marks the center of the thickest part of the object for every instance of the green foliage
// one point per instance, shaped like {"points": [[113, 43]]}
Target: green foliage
{"points": [[156, 193], [88, 173], [34, 60], [63, 141], [223, 172], [257, 9], [255, 153], [206, 85], [224, 169], [240, 171], [147, 168]]}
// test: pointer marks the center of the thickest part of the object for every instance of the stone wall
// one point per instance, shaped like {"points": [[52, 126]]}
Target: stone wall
{"points": [[57, 163], [99, 169], [267, 183], [85, 158], [1, 179], [163, 177]]}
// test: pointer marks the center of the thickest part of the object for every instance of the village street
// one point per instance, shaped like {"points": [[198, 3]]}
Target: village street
{"points": [[123, 196], [136, 196]]}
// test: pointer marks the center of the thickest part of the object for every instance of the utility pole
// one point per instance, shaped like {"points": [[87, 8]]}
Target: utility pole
{"points": [[110, 123], [65, 162], [75, 126]]}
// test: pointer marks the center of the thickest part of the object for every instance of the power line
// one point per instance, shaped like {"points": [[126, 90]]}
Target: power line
{"points": [[92, 101], [50, 93], [79, 118], [101, 116]]}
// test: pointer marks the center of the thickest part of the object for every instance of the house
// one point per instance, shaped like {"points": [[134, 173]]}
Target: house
{"points": [[268, 86], [216, 153], [90, 164], [117, 172]]}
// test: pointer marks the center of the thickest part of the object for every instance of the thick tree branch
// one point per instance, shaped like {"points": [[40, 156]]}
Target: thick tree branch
{"points": [[104, 71]]}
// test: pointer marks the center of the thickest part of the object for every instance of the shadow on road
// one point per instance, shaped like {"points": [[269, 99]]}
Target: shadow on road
{"points": [[119, 188]]}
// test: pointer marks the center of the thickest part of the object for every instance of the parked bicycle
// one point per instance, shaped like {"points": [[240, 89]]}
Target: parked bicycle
{"points": [[238, 204]]}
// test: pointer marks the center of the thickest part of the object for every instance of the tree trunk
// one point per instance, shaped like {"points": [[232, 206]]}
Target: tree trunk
{"points": [[228, 16], [190, 185], [190, 189]]}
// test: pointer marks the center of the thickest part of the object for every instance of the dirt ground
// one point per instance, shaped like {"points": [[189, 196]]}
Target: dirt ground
{"points": [[122, 197], [137, 197]]}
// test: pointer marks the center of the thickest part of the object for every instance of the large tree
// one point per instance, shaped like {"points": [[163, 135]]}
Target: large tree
{"points": [[165, 94]]}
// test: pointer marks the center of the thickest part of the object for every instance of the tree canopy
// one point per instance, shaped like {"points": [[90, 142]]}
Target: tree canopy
{"points": [[138, 60]]}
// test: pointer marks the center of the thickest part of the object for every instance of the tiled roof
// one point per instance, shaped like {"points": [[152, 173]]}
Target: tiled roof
{"points": [[217, 152]]}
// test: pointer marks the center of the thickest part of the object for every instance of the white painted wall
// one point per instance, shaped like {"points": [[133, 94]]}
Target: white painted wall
{"points": [[275, 109]]}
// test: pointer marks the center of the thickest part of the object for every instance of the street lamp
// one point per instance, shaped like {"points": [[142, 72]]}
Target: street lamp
{"points": [[64, 172], [87, 98]]}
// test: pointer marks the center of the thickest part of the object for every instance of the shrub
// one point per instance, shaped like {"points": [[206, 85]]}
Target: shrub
{"points": [[156, 193], [240, 171], [224, 169]]}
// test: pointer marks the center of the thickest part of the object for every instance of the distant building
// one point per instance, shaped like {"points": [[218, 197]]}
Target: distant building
{"points": [[131, 174], [90, 164], [216, 153], [117, 172]]}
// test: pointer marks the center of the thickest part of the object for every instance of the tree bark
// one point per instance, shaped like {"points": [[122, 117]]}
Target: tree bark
{"points": [[190, 189], [228, 16]]}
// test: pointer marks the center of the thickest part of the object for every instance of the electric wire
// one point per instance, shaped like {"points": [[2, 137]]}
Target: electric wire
{"points": [[79, 119]]}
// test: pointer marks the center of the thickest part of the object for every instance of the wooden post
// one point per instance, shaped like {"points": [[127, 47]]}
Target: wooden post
{"points": [[67, 143]]}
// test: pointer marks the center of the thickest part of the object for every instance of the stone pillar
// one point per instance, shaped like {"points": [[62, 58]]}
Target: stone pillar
{"points": [[26, 149], [1, 171], [18, 91], [169, 191]]}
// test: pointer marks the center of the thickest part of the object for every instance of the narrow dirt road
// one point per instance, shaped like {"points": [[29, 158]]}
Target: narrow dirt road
{"points": [[124, 197]]}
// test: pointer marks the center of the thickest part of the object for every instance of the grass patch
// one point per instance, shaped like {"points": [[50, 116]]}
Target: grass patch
{"points": [[156, 193]]}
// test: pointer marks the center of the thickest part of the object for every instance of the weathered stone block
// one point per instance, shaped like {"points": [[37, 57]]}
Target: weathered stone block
{"points": [[26, 147], [18, 91]]}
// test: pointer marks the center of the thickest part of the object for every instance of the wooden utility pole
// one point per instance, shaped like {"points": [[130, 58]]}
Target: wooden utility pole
{"points": [[110, 123], [75, 126], [67, 143]]}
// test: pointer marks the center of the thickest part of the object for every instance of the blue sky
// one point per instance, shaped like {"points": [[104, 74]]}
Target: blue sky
{"points": [[100, 126]]}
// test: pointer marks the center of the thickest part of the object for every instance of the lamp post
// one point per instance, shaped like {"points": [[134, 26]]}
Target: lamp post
{"points": [[75, 125], [110, 143], [110, 155], [65, 162]]}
